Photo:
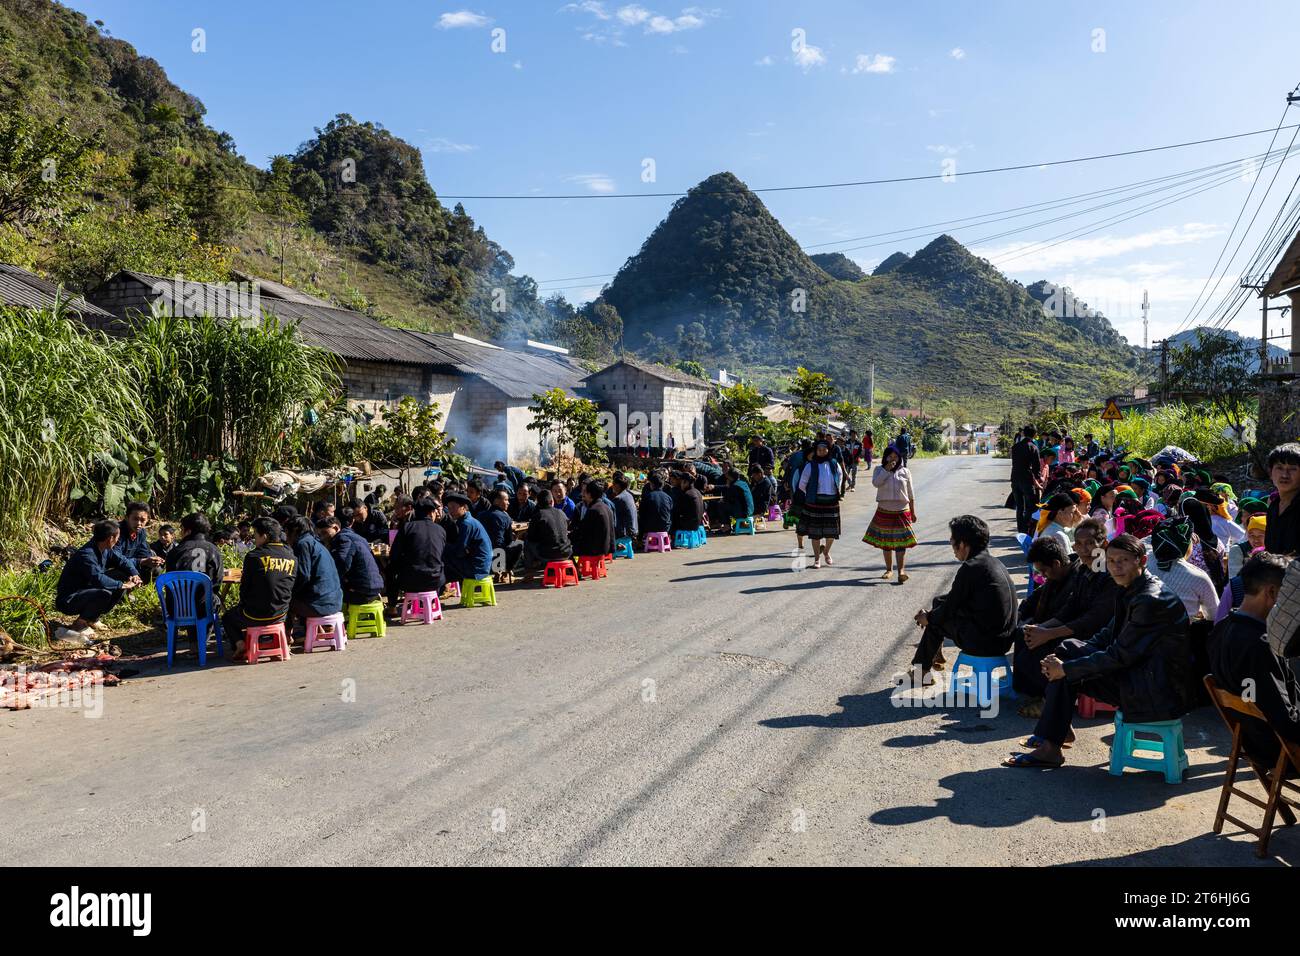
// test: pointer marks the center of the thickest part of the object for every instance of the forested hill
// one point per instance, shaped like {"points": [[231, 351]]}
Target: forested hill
{"points": [[720, 281], [145, 183]]}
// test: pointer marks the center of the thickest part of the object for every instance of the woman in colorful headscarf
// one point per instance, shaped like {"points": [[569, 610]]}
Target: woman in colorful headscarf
{"points": [[1056, 517], [1239, 552], [1205, 545], [1171, 545]]}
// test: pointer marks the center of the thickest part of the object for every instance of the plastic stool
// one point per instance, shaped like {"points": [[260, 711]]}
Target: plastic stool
{"points": [[789, 521], [476, 591], [623, 548], [685, 539], [980, 680], [702, 533], [336, 637], [592, 566], [1089, 707], [254, 650], [366, 619], [760, 523], [1172, 759], [421, 606], [454, 587], [657, 541], [774, 513], [742, 526], [558, 574]]}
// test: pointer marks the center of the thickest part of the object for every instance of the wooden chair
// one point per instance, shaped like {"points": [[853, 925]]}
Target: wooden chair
{"points": [[1233, 709]]}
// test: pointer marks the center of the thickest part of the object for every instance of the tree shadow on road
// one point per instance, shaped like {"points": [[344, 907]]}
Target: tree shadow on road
{"points": [[1210, 849]]}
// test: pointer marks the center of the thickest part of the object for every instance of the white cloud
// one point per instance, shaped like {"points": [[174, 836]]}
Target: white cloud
{"points": [[593, 7], [875, 63], [808, 56], [764, 61], [633, 14], [1023, 257], [596, 182], [957, 53], [944, 149], [440, 144], [462, 18]]}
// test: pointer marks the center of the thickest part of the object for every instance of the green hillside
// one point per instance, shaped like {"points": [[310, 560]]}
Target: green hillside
{"points": [[721, 282]]}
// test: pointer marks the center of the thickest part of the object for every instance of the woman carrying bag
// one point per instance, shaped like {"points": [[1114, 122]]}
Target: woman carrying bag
{"points": [[891, 527], [817, 494]]}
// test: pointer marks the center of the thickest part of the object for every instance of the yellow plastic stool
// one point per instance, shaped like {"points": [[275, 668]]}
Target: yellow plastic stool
{"points": [[477, 591], [366, 619]]}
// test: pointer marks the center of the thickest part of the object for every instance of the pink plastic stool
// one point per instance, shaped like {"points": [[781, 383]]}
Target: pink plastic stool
{"points": [[1089, 707], [325, 631], [421, 606], [657, 541], [773, 513], [255, 651]]}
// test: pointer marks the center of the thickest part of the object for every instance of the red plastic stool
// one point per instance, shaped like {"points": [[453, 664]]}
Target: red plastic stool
{"points": [[1089, 707], [592, 566], [255, 651], [558, 574]]}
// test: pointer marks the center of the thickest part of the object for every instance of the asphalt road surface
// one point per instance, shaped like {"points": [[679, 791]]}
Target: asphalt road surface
{"points": [[721, 705]]}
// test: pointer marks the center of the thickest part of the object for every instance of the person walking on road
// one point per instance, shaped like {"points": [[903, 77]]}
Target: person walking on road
{"points": [[891, 526], [1026, 482], [818, 494]]}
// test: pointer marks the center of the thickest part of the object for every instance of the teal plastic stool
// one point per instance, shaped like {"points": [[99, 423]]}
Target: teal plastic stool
{"points": [[742, 526], [1168, 744], [686, 539], [623, 547], [702, 533], [979, 680]]}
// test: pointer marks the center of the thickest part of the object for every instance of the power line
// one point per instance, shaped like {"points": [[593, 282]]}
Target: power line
{"points": [[869, 182]]}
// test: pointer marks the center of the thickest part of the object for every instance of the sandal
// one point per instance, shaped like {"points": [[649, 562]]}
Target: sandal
{"points": [[887, 575], [902, 577], [1033, 741], [1031, 761]]}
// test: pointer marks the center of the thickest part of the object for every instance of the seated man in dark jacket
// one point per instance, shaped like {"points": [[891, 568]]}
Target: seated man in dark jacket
{"points": [[500, 528], [623, 504], [978, 613], [266, 586], [194, 552], [1080, 606], [133, 541], [1243, 662], [369, 522], [93, 582], [522, 508], [358, 573], [1140, 662], [655, 513], [469, 553], [415, 561], [595, 534], [763, 487], [316, 589], [739, 499], [688, 508], [548, 536]]}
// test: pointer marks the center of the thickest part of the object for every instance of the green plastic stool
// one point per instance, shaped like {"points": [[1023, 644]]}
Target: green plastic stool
{"points": [[1168, 744], [366, 619], [474, 591]]}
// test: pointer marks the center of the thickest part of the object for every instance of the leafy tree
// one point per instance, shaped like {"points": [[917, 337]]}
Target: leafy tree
{"points": [[567, 422], [406, 435], [691, 368], [735, 410], [1223, 372], [814, 391], [44, 170]]}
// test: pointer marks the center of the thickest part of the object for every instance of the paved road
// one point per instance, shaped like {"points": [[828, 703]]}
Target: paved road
{"points": [[708, 706]]}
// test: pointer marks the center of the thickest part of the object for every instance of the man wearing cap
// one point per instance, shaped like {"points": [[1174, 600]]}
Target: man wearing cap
{"points": [[470, 554]]}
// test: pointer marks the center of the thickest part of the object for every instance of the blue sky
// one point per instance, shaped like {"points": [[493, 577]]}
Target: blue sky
{"points": [[583, 93]]}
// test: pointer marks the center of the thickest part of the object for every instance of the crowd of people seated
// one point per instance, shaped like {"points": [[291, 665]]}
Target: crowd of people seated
{"points": [[1147, 576]]}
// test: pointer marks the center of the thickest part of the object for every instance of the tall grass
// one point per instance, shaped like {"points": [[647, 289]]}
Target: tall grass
{"points": [[64, 395], [1195, 428], [213, 387]]}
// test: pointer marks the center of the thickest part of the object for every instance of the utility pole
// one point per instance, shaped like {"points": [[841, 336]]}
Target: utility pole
{"points": [[1164, 371], [871, 389], [1146, 314], [1055, 400]]}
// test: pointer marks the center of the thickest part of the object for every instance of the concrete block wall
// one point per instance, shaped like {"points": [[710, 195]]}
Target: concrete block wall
{"points": [[624, 391]]}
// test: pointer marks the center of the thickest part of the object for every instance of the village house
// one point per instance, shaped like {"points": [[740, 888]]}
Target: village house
{"points": [[483, 390], [632, 394], [25, 290]]}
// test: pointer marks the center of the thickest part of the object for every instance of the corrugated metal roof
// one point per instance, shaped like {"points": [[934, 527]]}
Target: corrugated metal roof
{"points": [[348, 334], [518, 374], [25, 289], [664, 372]]}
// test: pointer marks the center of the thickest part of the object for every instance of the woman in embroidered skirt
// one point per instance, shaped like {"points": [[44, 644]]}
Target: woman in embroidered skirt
{"points": [[818, 495], [891, 527]]}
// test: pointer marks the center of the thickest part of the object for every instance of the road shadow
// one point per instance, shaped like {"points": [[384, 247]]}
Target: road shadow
{"points": [[1210, 849]]}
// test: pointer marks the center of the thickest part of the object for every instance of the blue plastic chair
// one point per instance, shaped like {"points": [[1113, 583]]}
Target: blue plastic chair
{"points": [[979, 680], [183, 589], [1170, 753], [623, 547], [1025, 541], [742, 526]]}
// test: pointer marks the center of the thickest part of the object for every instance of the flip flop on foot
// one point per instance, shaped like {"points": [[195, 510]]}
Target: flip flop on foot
{"points": [[886, 576], [817, 563], [1033, 742], [829, 562], [1032, 761], [902, 577]]}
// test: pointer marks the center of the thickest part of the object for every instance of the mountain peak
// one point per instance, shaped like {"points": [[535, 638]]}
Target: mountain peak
{"points": [[891, 263]]}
